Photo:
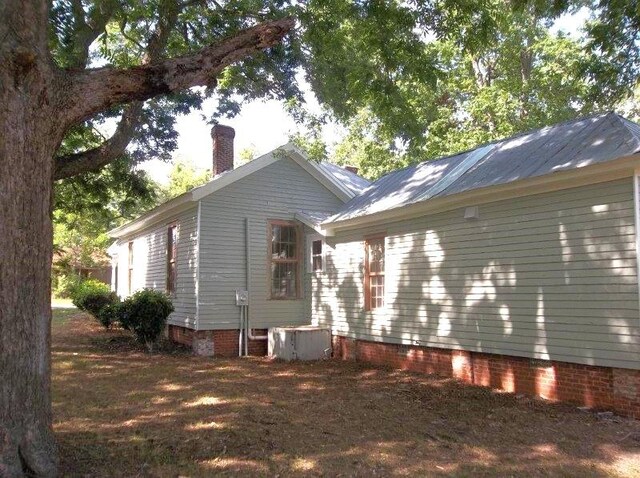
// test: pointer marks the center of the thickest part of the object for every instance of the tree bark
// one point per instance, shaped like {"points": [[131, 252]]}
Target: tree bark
{"points": [[28, 137], [92, 159], [39, 103], [102, 88]]}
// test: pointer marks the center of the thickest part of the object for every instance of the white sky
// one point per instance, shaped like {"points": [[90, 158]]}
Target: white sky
{"points": [[264, 125]]}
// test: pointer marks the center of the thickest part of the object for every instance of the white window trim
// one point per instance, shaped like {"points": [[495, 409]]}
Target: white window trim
{"points": [[636, 209], [311, 238]]}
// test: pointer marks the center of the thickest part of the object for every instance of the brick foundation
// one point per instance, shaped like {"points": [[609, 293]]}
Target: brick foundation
{"points": [[597, 387], [216, 343]]}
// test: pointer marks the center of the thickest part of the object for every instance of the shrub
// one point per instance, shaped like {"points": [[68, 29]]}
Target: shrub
{"points": [[92, 296], [145, 313], [64, 284], [110, 314]]}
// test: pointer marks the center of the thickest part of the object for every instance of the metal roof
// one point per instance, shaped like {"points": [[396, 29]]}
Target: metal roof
{"points": [[569, 145], [351, 181]]}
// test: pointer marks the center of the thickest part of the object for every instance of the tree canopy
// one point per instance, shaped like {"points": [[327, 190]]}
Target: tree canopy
{"points": [[410, 80]]}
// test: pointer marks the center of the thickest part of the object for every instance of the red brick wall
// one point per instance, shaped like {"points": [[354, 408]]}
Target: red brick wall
{"points": [[181, 335], [225, 342], [585, 385]]}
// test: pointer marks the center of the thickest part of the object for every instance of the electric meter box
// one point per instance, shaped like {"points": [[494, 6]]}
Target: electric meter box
{"points": [[242, 297]]}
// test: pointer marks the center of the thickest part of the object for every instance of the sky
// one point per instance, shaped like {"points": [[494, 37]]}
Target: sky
{"points": [[264, 125]]}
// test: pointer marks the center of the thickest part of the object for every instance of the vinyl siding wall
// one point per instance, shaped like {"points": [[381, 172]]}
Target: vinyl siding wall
{"points": [[150, 264], [275, 192], [551, 277]]}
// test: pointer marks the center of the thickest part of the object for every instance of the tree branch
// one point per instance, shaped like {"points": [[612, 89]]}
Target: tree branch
{"points": [[86, 31], [92, 159], [92, 91], [96, 158]]}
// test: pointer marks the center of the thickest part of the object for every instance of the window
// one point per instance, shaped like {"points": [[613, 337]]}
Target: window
{"points": [[284, 258], [316, 255], [374, 273], [172, 252], [130, 267]]}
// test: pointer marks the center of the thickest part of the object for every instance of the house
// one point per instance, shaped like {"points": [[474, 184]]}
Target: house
{"points": [[513, 265], [203, 246]]}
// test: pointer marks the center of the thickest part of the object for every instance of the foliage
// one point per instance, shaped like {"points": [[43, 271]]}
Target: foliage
{"points": [[86, 207], [526, 78], [110, 313], [183, 177], [614, 39], [64, 282], [145, 313], [246, 155], [93, 296]]}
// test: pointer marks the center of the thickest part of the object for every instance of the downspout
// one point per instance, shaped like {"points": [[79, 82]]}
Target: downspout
{"points": [[247, 262]]}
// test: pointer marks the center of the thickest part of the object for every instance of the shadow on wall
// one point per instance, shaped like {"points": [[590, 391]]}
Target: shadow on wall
{"points": [[529, 279]]}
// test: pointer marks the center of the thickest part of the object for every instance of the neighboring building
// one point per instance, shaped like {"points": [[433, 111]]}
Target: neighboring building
{"points": [[204, 245], [514, 265]]}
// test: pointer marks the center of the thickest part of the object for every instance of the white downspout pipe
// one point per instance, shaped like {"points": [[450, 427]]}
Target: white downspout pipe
{"points": [[247, 242], [241, 333]]}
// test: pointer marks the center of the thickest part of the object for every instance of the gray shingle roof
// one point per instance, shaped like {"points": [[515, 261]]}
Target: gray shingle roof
{"points": [[569, 145]]}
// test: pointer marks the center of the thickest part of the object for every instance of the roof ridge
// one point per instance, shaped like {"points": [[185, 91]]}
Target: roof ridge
{"points": [[632, 127], [501, 140]]}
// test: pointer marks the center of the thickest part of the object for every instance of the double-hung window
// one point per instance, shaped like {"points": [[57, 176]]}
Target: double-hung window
{"points": [[284, 259], [317, 257], [172, 252], [374, 273], [130, 268]]}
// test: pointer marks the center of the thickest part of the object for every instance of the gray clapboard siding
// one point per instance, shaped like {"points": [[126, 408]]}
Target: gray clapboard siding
{"points": [[552, 276], [150, 264], [276, 192]]}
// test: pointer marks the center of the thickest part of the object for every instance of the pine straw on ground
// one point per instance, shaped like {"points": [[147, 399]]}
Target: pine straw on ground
{"points": [[119, 411]]}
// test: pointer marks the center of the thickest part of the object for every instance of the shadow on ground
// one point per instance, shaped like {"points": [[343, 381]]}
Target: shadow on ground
{"points": [[121, 412]]}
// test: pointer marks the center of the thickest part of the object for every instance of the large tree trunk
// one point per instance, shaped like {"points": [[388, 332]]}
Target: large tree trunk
{"points": [[26, 438], [29, 135]]}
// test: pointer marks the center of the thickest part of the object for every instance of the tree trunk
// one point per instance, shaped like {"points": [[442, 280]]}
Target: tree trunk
{"points": [[26, 438], [29, 135]]}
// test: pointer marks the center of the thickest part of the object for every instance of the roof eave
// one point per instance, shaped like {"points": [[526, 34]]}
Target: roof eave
{"points": [[173, 206], [182, 202], [601, 172]]}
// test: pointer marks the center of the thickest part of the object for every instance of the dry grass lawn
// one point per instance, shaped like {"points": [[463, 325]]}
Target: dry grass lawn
{"points": [[121, 412]]}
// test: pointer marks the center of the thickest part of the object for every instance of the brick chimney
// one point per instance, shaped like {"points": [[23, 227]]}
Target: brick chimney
{"points": [[351, 169], [222, 148]]}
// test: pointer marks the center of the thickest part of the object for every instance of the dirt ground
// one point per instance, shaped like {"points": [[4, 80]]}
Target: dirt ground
{"points": [[119, 411]]}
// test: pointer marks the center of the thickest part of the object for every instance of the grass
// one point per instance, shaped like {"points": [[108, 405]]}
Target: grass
{"points": [[121, 412]]}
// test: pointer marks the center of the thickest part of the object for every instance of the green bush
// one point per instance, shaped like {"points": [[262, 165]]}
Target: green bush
{"points": [[145, 313], [92, 296], [110, 314], [64, 284]]}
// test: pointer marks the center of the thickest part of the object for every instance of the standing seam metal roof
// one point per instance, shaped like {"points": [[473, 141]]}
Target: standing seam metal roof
{"points": [[569, 145]]}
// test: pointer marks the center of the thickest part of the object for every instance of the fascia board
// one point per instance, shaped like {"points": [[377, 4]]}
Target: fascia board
{"points": [[602, 172]]}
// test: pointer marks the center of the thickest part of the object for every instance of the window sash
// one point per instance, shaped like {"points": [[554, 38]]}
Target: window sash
{"points": [[284, 241], [172, 252], [317, 256], [130, 268], [374, 273]]}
